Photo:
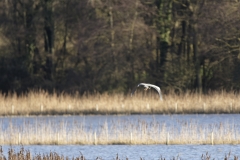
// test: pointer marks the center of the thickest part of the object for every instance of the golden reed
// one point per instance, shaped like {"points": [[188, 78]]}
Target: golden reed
{"points": [[117, 132], [42, 103]]}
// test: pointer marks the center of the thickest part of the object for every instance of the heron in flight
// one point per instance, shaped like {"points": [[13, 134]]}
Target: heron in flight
{"points": [[148, 86]]}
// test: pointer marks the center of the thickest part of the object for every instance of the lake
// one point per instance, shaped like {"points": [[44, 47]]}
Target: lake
{"points": [[95, 121], [129, 151], [133, 152]]}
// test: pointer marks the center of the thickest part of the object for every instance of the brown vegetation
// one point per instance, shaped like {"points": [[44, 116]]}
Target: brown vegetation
{"points": [[43, 103], [118, 132], [109, 45], [27, 155]]}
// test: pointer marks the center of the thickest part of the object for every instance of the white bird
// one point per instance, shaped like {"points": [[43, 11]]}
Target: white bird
{"points": [[148, 86]]}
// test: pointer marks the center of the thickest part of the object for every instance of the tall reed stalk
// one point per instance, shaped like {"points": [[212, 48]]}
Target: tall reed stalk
{"points": [[119, 132], [43, 103]]}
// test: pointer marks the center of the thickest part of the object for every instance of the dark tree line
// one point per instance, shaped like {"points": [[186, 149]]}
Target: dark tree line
{"points": [[111, 45]]}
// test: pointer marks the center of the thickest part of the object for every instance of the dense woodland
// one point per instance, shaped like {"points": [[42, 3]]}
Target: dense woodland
{"points": [[112, 45]]}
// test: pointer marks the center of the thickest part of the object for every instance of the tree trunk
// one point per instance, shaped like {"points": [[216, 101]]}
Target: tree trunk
{"points": [[49, 38], [196, 60], [164, 29], [131, 51]]}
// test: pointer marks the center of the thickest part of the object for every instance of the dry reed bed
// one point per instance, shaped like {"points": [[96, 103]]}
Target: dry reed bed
{"points": [[119, 132], [27, 155], [43, 103]]}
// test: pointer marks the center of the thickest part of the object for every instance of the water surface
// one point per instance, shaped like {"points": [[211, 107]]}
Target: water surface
{"points": [[98, 120], [129, 151], [134, 152]]}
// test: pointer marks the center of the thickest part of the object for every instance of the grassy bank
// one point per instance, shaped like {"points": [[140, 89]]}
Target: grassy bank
{"points": [[118, 132], [43, 103], [27, 155]]}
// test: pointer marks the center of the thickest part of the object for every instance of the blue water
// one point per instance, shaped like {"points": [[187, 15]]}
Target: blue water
{"points": [[130, 151], [134, 152], [98, 120]]}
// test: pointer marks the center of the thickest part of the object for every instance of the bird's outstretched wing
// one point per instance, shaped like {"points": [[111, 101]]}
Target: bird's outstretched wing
{"points": [[135, 88], [148, 85], [157, 89]]}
